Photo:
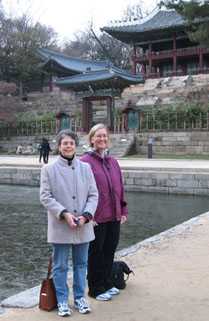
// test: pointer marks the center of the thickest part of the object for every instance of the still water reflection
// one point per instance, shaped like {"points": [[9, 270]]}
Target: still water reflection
{"points": [[23, 247]]}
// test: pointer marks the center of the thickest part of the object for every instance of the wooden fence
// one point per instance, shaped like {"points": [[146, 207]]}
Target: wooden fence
{"points": [[35, 128], [163, 121]]}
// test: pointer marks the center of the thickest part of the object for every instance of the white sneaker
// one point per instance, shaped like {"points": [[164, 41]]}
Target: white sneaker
{"points": [[63, 309], [113, 291], [104, 296], [82, 306]]}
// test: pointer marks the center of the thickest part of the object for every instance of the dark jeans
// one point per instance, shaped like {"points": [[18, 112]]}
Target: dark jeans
{"points": [[101, 256], [45, 155]]}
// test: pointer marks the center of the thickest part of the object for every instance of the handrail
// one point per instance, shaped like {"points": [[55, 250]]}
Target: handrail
{"points": [[170, 53]]}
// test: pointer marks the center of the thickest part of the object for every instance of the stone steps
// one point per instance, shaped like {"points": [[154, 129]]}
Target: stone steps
{"points": [[121, 144]]}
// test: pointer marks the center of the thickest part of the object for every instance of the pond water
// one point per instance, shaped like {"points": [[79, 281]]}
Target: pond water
{"points": [[23, 248]]}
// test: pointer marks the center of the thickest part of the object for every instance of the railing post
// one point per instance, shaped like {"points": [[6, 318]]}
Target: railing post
{"points": [[140, 121], [168, 122], [41, 127], [147, 121], [75, 125]]}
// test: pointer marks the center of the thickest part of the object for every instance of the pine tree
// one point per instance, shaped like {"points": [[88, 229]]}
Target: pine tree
{"points": [[196, 14]]}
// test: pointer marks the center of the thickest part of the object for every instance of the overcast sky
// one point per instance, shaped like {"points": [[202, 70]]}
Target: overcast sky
{"points": [[70, 16]]}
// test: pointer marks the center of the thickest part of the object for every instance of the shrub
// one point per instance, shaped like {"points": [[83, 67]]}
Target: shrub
{"points": [[7, 88]]}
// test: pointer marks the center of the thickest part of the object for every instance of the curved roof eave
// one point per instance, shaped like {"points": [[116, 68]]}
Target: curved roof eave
{"points": [[160, 20], [71, 63], [94, 77]]}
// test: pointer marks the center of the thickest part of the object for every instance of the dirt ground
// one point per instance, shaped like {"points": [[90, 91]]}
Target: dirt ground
{"points": [[171, 283]]}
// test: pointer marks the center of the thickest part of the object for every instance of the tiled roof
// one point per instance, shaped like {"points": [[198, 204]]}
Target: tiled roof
{"points": [[73, 64], [101, 75], [161, 19]]}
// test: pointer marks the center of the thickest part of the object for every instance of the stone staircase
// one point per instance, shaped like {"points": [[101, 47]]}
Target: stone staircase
{"points": [[120, 144]]}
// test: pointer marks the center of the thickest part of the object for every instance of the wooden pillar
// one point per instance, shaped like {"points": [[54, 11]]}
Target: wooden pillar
{"points": [[200, 60], [86, 115], [90, 114], [150, 58], [110, 112], [42, 81], [57, 125], [50, 83], [174, 55], [133, 62]]}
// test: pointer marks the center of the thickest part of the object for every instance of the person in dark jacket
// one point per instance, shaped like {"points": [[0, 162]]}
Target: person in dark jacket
{"points": [[44, 150], [111, 212]]}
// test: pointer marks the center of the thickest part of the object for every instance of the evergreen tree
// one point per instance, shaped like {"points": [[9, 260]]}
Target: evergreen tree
{"points": [[196, 13]]}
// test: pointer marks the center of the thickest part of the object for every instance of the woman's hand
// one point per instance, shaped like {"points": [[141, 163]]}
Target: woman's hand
{"points": [[71, 220], [123, 219], [81, 221]]}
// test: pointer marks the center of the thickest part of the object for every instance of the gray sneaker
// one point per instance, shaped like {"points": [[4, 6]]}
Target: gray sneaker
{"points": [[104, 296], [63, 309], [113, 291], [82, 306]]}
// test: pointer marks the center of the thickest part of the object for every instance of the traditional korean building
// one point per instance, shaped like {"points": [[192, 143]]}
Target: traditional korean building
{"points": [[161, 47], [90, 81], [57, 65]]}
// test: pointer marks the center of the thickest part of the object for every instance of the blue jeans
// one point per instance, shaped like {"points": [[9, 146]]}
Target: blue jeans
{"points": [[60, 269]]}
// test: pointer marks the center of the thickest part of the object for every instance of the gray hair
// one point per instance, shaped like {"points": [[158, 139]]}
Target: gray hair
{"points": [[66, 132]]}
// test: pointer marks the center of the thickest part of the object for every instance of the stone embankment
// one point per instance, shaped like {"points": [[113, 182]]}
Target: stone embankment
{"points": [[180, 177]]}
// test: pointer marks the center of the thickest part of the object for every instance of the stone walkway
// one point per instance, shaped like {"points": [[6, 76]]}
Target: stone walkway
{"points": [[144, 164]]}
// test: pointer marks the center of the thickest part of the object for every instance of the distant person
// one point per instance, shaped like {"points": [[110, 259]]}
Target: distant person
{"points": [[110, 213], [68, 191], [19, 150], [44, 150]]}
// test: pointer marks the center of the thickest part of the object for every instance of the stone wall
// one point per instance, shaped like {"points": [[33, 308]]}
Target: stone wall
{"points": [[38, 103], [184, 182], [20, 176], [57, 101], [173, 143], [192, 183], [9, 106]]}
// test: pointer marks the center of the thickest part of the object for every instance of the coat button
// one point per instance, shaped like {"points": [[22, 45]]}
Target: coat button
{"points": [[75, 211], [73, 167], [73, 197]]}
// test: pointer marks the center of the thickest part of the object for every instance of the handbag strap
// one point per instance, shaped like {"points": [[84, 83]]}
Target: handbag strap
{"points": [[49, 268]]}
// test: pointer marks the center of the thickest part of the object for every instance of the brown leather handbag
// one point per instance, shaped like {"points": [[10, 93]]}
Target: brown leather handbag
{"points": [[48, 299]]}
